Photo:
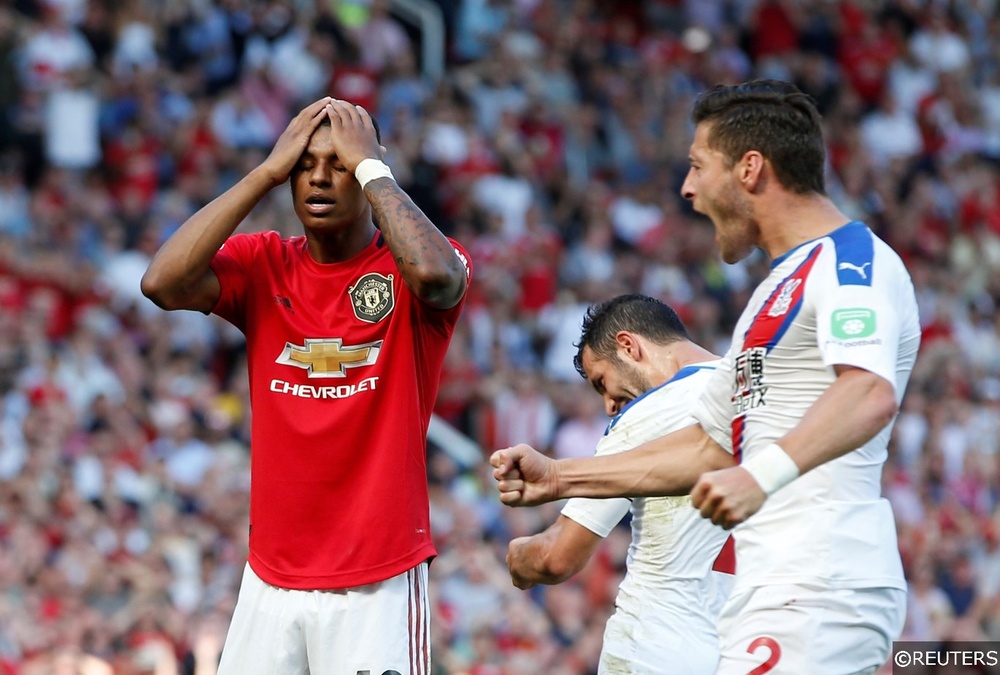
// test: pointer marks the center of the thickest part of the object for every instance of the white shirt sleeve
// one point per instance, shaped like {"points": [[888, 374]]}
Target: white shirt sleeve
{"points": [[597, 515], [859, 325], [601, 515]]}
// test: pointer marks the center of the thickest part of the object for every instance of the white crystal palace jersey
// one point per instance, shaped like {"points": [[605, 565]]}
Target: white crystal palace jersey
{"points": [[673, 549], [843, 299]]}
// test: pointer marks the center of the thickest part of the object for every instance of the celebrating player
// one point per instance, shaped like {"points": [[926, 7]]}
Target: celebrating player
{"points": [[636, 353], [803, 402], [347, 328]]}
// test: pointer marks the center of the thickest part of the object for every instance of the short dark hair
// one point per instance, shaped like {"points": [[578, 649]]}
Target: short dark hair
{"points": [[772, 117], [635, 313]]}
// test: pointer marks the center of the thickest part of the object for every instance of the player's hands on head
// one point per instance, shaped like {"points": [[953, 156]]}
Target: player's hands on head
{"points": [[353, 133], [525, 477], [294, 140], [727, 497]]}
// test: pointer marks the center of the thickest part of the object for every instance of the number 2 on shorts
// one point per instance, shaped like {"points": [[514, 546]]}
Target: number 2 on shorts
{"points": [[772, 660]]}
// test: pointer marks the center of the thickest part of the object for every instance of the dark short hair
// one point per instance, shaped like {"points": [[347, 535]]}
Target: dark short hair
{"points": [[636, 313], [772, 117]]}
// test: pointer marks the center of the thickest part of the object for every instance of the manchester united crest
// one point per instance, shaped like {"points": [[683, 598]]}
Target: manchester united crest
{"points": [[372, 298]]}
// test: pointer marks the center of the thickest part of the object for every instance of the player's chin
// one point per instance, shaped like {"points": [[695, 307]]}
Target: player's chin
{"points": [[325, 221], [731, 251]]}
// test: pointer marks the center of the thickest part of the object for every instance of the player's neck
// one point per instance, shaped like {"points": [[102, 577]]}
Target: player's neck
{"points": [[789, 219], [671, 359], [338, 245]]}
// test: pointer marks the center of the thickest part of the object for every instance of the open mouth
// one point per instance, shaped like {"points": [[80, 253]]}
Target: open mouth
{"points": [[318, 204]]}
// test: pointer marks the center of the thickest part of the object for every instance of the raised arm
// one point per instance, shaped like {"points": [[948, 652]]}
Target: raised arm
{"points": [[428, 262], [669, 465], [179, 277]]}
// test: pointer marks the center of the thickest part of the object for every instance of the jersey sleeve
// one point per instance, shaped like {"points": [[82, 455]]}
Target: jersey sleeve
{"points": [[230, 265], [714, 409], [597, 515], [857, 323]]}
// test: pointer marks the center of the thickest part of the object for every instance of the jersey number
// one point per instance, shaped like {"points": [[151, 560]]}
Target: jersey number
{"points": [[775, 654]]}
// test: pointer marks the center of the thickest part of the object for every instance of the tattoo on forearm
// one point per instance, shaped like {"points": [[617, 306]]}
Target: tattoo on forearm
{"points": [[410, 235]]}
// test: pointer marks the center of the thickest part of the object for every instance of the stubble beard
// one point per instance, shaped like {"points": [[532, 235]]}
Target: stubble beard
{"points": [[736, 229], [633, 379]]}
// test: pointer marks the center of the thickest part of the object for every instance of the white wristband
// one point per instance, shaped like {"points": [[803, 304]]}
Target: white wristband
{"points": [[772, 468], [370, 169]]}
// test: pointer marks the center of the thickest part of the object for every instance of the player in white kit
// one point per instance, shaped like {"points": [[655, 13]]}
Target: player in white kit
{"points": [[803, 402], [636, 353]]}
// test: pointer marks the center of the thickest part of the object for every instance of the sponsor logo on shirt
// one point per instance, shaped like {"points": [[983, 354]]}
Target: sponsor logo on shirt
{"points": [[311, 391], [328, 357], [372, 297], [784, 300], [750, 389], [853, 323]]}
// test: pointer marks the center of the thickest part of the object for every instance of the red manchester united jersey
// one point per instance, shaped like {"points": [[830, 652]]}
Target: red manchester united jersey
{"points": [[344, 363]]}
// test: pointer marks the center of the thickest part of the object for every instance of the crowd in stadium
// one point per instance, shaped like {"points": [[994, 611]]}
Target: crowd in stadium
{"points": [[553, 148]]}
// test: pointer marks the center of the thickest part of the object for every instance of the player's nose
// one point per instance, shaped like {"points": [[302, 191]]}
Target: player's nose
{"points": [[320, 175], [610, 406], [687, 189]]}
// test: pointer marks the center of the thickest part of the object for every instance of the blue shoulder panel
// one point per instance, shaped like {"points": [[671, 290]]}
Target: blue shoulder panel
{"points": [[855, 254]]}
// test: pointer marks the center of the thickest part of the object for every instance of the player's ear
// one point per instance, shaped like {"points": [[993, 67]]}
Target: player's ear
{"points": [[628, 345], [751, 169]]}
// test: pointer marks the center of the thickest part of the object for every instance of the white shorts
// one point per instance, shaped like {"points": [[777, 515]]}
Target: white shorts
{"points": [[377, 629], [646, 646], [794, 629]]}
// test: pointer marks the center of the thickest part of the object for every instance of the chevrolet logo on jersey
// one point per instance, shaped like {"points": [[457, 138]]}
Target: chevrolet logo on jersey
{"points": [[329, 357]]}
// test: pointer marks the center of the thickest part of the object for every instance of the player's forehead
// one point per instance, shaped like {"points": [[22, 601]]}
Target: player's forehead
{"points": [[593, 366], [321, 142], [700, 148]]}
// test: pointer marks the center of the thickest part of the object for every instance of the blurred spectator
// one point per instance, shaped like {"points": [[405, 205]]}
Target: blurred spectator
{"points": [[479, 23], [890, 133], [584, 423], [929, 614], [381, 38], [53, 50], [937, 46], [238, 122]]}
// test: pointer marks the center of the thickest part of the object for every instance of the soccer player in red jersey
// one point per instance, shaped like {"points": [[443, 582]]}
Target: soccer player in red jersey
{"points": [[347, 328]]}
